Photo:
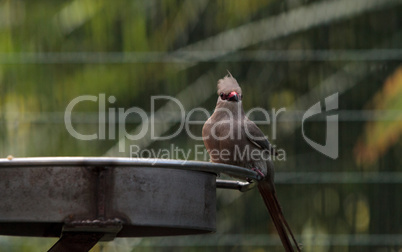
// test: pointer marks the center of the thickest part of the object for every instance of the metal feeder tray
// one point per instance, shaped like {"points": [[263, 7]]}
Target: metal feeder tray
{"points": [[87, 199]]}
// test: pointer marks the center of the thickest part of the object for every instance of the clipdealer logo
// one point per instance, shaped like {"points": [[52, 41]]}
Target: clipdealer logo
{"points": [[115, 120], [331, 146]]}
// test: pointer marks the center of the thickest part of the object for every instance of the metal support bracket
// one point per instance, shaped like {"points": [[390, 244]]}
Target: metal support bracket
{"points": [[109, 228]]}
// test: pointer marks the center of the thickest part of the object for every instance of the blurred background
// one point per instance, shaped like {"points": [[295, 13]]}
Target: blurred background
{"points": [[285, 53]]}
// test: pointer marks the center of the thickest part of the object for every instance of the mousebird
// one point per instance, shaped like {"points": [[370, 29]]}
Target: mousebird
{"points": [[231, 138]]}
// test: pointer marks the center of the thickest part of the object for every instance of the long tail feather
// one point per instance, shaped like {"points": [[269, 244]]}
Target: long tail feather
{"points": [[269, 196]]}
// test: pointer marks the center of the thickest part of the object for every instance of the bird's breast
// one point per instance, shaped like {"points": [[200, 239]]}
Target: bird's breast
{"points": [[225, 142]]}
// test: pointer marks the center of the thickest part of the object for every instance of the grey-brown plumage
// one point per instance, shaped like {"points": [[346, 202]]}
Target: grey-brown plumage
{"points": [[231, 138]]}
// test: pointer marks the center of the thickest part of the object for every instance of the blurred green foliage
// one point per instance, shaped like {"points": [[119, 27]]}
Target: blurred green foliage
{"points": [[54, 51]]}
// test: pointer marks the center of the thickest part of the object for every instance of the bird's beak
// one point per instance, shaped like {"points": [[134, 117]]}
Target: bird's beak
{"points": [[233, 96]]}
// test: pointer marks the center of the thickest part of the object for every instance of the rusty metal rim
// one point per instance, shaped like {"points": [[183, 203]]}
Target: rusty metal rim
{"points": [[231, 170]]}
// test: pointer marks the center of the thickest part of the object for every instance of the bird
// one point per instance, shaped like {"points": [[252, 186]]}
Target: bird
{"points": [[231, 138]]}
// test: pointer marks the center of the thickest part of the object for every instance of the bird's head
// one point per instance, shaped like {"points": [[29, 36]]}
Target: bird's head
{"points": [[229, 90]]}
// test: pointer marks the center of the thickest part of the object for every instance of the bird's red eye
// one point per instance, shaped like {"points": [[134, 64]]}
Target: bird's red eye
{"points": [[221, 95]]}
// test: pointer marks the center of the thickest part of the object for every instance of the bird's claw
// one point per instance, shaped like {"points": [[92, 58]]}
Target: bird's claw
{"points": [[259, 172]]}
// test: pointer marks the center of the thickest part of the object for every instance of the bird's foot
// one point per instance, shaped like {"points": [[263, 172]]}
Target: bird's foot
{"points": [[259, 172]]}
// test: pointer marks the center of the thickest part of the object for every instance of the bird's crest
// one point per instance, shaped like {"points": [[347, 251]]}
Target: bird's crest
{"points": [[228, 84]]}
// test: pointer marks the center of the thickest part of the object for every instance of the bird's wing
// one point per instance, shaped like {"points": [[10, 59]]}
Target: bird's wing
{"points": [[255, 136]]}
